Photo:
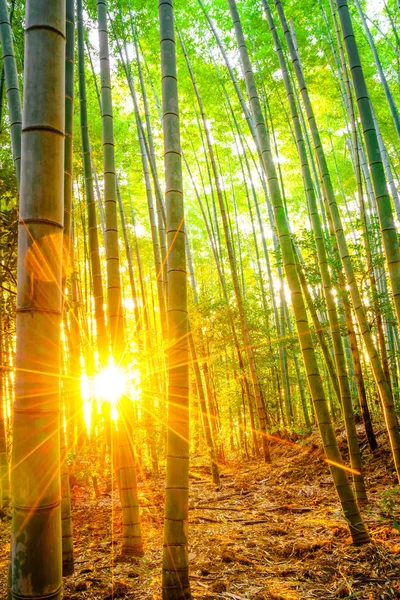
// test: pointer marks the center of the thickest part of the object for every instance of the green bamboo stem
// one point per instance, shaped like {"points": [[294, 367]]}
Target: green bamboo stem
{"points": [[204, 412], [99, 203], [389, 97], [153, 370], [355, 143], [388, 229], [232, 325], [94, 253], [132, 543], [66, 516], [191, 266], [175, 579], [5, 495], [343, 488], [114, 303], [387, 165], [382, 148], [77, 334], [319, 331], [69, 125], [384, 36], [138, 323], [213, 221], [140, 271], [214, 239], [149, 194], [12, 86], [2, 82], [343, 195], [155, 239], [340, 359], [243, 104], [259, 276], [235, 212], [150, 151], [380, 379], [366, 242], [161, 217], [239, 301]]}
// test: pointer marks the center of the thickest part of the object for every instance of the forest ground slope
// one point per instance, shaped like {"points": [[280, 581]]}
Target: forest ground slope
{"points": [[270, 532]]}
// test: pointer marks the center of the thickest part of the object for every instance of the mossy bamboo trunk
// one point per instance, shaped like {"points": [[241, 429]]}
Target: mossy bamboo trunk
{"points": [[350, 509], [36, 490], [175, 578]]}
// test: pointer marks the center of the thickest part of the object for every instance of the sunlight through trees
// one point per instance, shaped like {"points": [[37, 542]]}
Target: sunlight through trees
{"points": [[199, 295]]}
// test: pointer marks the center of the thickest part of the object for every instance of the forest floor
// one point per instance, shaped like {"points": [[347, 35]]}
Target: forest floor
{"points": [[272, 531]]}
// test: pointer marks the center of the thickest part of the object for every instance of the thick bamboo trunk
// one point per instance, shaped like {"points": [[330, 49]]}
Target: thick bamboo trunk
{"points": [[36, 489], [114, 302], [361, 202], [175, 579]]}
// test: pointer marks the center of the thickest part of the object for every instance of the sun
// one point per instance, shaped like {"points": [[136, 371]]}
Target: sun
{"points": [[109, 385]]}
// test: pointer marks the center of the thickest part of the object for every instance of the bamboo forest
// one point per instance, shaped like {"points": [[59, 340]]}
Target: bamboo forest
{"points": [[199, 299]]}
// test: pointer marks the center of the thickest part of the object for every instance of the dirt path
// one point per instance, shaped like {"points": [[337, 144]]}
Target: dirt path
{"points": [[270, 532]]}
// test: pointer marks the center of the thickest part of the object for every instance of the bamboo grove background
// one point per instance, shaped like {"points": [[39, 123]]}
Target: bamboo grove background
{"points": [[226, 183]]}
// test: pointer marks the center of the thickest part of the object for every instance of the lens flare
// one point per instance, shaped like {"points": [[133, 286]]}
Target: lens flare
{"points": [[109, 385], [86, 394]]}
